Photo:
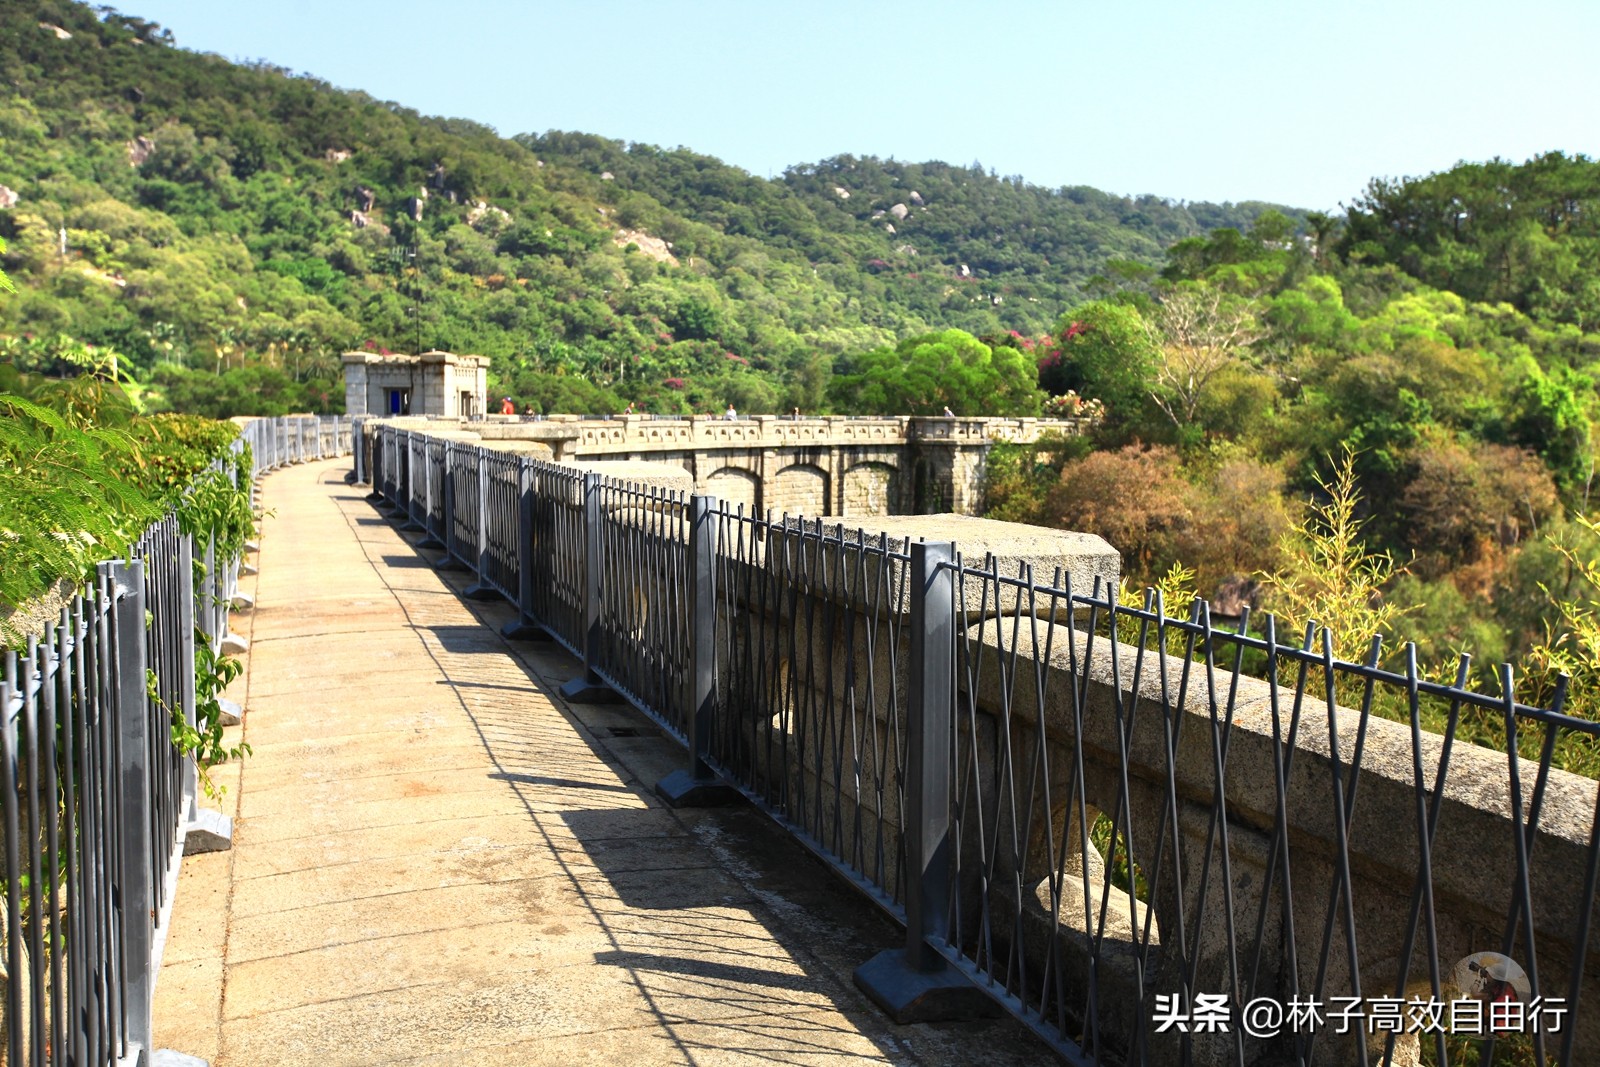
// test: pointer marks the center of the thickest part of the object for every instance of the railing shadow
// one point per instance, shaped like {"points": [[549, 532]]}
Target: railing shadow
{"points": [[738, 942]]}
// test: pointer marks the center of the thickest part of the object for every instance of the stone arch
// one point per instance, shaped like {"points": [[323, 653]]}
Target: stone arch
{"points": [[735, 486], [799, 489], [872, 489]]}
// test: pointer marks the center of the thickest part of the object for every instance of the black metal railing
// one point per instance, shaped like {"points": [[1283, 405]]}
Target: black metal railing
{"points": [[96, 799], [501, 492], [810, 709], [1151, 839], [643, 621], [284, 439], [95, 802]]}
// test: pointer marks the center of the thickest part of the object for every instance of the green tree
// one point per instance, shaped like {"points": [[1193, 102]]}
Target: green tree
{"points": [[952, 369], [1104, 351], [1548, 414]]}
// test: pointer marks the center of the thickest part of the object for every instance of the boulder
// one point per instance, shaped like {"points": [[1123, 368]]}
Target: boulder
{"points": [[8, 197], [139, 150], [916, 198], [900, 211], [1234, 595], [365, 198]]}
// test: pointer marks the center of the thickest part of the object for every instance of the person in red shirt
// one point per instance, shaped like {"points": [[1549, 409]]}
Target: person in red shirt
{"points": [[507, 407]]}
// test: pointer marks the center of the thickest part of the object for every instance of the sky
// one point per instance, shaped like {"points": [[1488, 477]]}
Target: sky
{"points": [[1297, 102]]}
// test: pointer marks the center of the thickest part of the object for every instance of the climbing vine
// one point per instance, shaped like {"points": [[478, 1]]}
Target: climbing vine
{"points": [[216, 510]]}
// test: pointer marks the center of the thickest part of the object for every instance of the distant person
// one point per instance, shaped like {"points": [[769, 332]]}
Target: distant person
{"points": [[948, 413], [796, 414], [630, 408], [507, 407], [730, 414], [527, 409]]}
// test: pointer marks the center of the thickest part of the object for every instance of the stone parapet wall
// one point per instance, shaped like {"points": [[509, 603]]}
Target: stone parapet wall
{"points": [[831, 465]]}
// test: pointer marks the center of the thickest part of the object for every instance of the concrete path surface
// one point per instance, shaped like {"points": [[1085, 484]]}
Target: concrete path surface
{"points": [[437, 861]]}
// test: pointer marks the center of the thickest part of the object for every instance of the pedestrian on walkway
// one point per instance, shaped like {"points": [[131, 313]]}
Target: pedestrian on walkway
{"points": [[730, 414]]}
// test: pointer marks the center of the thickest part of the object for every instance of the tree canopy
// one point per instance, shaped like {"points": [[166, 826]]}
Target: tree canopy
{"points": [[927, 374]]}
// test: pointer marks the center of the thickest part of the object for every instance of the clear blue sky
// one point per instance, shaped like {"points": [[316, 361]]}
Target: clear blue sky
{"points": [[1285, 100]]}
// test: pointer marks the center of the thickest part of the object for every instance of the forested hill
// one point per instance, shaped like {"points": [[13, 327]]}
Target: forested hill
{"points": [[194, 213], [1003, 236]]}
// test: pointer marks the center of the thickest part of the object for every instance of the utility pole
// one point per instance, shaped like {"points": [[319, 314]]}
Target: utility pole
{"points": [[416, 299]]}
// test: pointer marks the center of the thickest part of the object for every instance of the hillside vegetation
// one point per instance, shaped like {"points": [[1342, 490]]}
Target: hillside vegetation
{"points": [[194, 214], [1446, 438], [1384, 419]]}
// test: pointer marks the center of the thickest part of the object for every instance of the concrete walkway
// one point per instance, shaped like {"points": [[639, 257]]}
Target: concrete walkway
{"points": [[436, 861]]}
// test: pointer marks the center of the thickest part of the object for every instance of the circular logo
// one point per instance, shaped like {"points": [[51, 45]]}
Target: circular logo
{"points": [[1491, 977]]}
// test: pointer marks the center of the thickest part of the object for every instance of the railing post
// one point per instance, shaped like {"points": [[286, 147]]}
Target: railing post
{"points": [[914, 984], [448, 473], [699, 786], [588, 687], [204, 830], [408, 506], [186, 657], [930, 693], [429, 539], [525, 627], [482, 588], [137, 882]]}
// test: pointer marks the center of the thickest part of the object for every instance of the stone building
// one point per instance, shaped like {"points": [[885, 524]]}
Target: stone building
{"points": [[434, 383]]}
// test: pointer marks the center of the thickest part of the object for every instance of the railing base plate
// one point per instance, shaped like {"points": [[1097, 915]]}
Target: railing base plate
{"points": [[448, 562], [584, 690], [208, 831], [476, 591], [908, 995], [431, 542], [680, 789], [166, 1057], [524, 630]]}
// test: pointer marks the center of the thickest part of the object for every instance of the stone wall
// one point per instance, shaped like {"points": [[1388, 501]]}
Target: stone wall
{"points": [[810, 466]]}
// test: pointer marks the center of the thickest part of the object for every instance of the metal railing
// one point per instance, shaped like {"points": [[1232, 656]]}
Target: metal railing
{"points": [[810, 715], [280, 440], [94, 802], [1134, 831]]}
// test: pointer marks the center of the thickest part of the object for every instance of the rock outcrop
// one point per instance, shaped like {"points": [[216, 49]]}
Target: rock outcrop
{"points": [[653, 247], [139, 150]]}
